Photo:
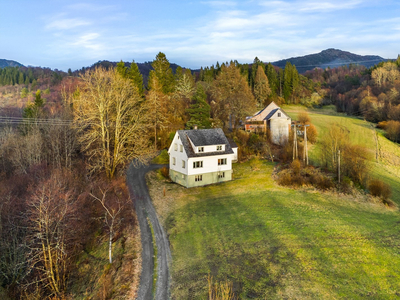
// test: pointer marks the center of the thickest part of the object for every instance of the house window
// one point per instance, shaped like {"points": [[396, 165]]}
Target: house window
{"points": [[198, 178], [219, 148], [183, 164], [279, 115], [197, 164], [181, 148], [201, 149], [221, 175], [176, 147], [221, 161], [174, 161], [183, 176]]}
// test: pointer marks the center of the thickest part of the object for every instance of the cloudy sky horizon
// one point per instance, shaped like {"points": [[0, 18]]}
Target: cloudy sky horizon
{"points": [[71, 34]]}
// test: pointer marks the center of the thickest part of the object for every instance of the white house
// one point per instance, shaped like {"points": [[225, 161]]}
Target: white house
{"points": [[271, 118], [200, 157]]}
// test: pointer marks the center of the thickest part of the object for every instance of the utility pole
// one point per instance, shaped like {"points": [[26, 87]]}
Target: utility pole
{"points": [[305, 155], [339, 165], [295, 152]]}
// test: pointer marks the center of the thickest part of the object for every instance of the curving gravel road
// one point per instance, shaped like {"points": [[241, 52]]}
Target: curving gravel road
{"points": [[146, 213]]}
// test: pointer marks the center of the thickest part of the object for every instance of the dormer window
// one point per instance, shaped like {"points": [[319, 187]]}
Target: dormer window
{"points": [[200, 149], [219, 148]]}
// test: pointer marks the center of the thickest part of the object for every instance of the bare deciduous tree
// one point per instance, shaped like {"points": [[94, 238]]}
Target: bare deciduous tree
{"points": [[112, 213], [112, 120], [50, 209]]}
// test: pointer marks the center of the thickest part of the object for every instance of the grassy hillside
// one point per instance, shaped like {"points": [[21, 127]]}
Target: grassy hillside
{"points": [[272, 242], [386, 162]]}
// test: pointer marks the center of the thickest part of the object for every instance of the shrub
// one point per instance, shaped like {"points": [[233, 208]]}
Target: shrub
{"points": [[379, 189], [393, 131], [285, 177], [303, 117], [165, 172], [382, 125], [296, 166], [162, 158], [312, 134]]}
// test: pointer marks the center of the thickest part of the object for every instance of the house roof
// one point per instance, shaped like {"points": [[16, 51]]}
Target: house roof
{"points": [[266, 113], [204, 137]]}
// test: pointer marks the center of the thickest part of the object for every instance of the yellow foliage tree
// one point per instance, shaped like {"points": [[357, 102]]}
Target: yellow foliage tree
{"points": [[112, 121]]}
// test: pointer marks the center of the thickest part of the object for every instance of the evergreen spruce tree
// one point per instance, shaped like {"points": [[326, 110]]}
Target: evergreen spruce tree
{"points": [[261, 87], [163, 72], [121, 69], [137, 78], [199, 110], [273, 79], [290, 82]]}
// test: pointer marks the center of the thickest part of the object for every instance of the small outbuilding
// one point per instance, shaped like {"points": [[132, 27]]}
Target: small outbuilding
{"points": [[273, 119]]}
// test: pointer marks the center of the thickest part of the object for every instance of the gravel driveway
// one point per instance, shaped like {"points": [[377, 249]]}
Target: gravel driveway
{"points": [[146, 213]]}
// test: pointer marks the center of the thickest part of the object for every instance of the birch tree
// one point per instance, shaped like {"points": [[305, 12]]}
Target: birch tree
{"points": [[112, 121]]}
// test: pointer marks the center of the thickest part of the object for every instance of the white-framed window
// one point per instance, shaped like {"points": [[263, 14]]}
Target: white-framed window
{"points": [[197, 164], [183, 164], [183, 176], [221, 161], [221, 175], [198, 178], [176, 147], [174, 161], [219, 148], [181, 148], [279, 115], [200, 149]]}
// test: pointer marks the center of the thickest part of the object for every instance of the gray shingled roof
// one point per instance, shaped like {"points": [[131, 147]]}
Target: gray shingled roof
{"points": [[204, 137]]}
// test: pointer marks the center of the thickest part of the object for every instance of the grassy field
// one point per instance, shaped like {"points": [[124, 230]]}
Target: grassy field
{"points": [[278, 243], [386, 167], [273, 242]]}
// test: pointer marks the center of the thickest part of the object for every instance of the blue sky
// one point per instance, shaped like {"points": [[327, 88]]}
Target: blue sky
{"points": [[72, 34]]}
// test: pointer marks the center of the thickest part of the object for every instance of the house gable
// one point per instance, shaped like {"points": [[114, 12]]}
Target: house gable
{"points": [[208, 157], [264, 113]]}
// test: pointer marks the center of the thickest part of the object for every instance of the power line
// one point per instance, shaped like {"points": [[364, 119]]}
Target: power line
{"points": [[18, 120]]}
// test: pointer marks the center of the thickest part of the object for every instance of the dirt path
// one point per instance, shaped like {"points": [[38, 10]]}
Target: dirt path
{"points": [[146, 213]]}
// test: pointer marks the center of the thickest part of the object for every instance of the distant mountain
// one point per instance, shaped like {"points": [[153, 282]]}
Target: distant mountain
{"points": [[332, 58], [9, 63]]}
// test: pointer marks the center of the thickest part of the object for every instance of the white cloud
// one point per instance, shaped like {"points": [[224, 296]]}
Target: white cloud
{"points": [[328, 6], [66, 24]]}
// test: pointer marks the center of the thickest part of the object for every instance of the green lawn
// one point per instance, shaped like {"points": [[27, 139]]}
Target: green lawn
{"points": [[277, 243], [387, 167]]}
